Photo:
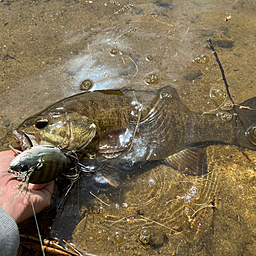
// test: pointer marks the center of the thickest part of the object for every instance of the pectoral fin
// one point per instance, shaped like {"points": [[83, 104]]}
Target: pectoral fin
{"points": [[114, 142], [113, 174], [108, 175], [190, 161]]}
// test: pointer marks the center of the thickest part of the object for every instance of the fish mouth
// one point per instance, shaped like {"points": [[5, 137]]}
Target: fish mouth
{"points": [[23, 139]]}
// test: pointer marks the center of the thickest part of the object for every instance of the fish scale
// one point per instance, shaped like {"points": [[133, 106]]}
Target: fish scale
{"points": [[107, 111], [122, 126]]}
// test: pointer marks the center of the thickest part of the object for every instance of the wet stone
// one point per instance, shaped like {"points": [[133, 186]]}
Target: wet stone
{"points": [[164, 4], [193, 75], [207, 33], [224, 30], [86, 85], [225, 43]]}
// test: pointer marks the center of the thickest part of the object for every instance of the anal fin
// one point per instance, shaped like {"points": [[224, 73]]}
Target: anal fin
{"points": [[191, 161]]}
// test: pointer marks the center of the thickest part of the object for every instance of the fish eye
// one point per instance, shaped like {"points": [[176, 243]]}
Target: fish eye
{"points": [[24, 168], [251, 134], [41, 123]]}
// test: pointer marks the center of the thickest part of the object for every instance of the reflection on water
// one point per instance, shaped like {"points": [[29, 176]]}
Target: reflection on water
{"points": [[55, 46], [183, 214], [105, 64], [167, 203]]}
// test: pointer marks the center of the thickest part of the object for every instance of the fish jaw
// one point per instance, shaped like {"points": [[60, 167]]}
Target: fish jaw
{"points": [[25, 141]]}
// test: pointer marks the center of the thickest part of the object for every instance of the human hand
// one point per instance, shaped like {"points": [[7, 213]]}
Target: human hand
{"points": [[20, 208]]}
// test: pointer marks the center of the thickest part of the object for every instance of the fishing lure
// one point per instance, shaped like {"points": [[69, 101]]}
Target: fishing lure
{"points": [[40, 164]]}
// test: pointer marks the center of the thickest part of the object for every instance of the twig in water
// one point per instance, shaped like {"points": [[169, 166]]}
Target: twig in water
{"points": [[215, 109], [137, 69], [123, 60], [118, 220], [73, 248], [186, 31], [225, 81], [124, 8], [172, 200], [152, 15], [126, 32], [99, 199], [88, 46], [221, 69], [158, 223], [203, 206]]}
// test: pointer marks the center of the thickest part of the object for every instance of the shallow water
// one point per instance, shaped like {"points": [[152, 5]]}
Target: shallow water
{"points": [[49, 48]]}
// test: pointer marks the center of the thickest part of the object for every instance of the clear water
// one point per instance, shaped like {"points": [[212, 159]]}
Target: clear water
{"points": [[49, 47]]}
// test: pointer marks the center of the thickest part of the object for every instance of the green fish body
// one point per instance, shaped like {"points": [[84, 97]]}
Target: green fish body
{"points": [[119, 126]]}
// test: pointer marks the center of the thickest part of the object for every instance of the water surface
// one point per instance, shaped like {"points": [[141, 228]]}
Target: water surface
{"points": [[49, 48]]}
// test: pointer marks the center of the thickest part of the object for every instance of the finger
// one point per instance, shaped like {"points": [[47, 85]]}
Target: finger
{"points": [[42, 198], [5, 158], [6, 154], [39, 186]]}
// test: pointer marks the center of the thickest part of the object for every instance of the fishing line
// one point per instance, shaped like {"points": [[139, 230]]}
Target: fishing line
{"points": [[69, 188], [37, 227]]}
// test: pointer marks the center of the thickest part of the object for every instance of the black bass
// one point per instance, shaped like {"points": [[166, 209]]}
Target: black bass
{"points": [[115, 126]]}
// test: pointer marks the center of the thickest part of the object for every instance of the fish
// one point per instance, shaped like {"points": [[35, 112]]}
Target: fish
{"points": [[112, 127]]}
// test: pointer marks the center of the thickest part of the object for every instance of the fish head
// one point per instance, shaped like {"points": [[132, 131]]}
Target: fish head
{"points": [[66, 129], [250, 134], [246, 113]]}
